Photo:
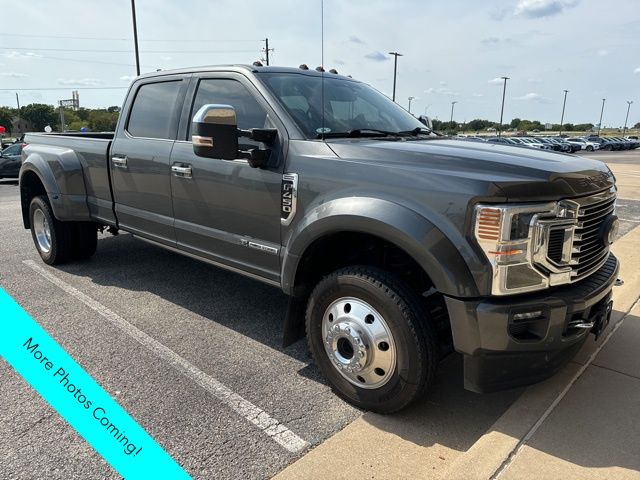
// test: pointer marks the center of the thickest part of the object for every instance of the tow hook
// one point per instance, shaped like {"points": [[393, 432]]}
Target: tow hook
{"points": [[618, 283]]}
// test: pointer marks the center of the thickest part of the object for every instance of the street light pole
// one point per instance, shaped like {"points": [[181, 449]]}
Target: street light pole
{"points": [[452, 105], [504, 91], [395, 72], [135, 35], [410, 98], [624, 130], [564, 103], [601, 112]]}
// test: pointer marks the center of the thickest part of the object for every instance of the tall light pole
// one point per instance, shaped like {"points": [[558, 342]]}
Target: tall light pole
{"points": [[601, 112], [453, 104], [564, 103], [624, 130], [395, 72], [504, 91], [410, 98], [135, 35]]}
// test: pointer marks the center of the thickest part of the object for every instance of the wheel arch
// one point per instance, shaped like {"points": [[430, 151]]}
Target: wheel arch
{"points": [[57, 172]]}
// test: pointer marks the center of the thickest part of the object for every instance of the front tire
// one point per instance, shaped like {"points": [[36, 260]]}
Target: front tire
{"points": [[589, 148], [371, 338]]}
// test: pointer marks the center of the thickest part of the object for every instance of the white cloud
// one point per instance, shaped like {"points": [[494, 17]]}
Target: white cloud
{"points": [[14, 74], [442, 91], [127, 78], [534, 80], [496, 81], [542, 8], [478, 95], [603, 52], [80, 82], [354, 39], [443, 83], [637, 71], [533, 97], [20, 55], [377, 56]]}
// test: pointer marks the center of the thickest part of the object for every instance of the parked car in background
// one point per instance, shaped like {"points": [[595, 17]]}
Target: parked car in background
{"points": [[552, 145], [564, 146], [605, 143], [584, 144], [535, 143], [11, 161], [572, 147]]}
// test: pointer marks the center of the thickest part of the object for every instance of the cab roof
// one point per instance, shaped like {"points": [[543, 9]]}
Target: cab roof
{"points": [[243, 68]]}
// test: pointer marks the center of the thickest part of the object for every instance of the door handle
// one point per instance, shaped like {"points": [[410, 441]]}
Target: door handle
{"points": [[119, 161], [184, 172]]}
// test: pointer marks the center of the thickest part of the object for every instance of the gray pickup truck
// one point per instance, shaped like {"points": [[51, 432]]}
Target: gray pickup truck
{"points": [[396, 246]]}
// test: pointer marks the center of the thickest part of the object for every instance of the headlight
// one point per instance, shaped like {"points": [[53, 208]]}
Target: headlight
{"points": [[505, 235]]}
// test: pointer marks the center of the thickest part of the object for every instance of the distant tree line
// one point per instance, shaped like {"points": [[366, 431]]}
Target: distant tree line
{"points": [[480, 125], [40, 115]]}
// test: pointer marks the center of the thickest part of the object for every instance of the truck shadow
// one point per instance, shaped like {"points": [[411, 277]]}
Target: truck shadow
{"points": [[447, 415]]}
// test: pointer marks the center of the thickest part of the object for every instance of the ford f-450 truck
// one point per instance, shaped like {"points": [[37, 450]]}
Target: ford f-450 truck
{"points": [[395, 245]]}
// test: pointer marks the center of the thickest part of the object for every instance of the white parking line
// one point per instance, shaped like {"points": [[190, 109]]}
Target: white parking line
{"points": [[261, 419]]}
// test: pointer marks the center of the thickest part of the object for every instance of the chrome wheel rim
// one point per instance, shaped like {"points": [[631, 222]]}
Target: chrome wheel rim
{"points": [[359, 342], [42, 231]]}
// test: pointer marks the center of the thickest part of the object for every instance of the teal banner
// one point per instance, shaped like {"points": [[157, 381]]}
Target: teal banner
{"points": [[77, 397]]}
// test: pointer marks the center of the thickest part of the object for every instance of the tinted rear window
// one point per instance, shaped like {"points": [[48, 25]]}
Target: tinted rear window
{"points": [[153, 109]]}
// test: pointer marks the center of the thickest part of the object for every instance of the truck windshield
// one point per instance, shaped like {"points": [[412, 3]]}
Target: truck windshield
{"points": [[351, 109]]}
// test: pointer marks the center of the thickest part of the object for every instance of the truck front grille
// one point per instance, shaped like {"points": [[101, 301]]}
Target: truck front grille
{"points": [[589, 250]]}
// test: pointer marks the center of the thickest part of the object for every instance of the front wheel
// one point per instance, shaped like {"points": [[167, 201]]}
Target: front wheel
{"points": [[370, 338], [589, 148]]}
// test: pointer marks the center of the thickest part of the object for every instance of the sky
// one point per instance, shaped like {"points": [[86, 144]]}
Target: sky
{"points": [[453, 51]]}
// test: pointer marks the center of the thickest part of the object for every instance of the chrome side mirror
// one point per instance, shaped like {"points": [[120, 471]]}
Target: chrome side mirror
{"points": [[214, 132]]}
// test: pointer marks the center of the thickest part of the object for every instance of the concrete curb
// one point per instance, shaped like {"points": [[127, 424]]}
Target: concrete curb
{"points": [[493, 450]]}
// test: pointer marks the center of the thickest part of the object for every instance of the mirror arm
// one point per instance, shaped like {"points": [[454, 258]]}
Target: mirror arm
{"points": [[256, 157]]}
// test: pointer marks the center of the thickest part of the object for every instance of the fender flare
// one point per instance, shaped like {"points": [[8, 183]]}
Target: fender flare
{"points": [[399, 225], [60, 172]]}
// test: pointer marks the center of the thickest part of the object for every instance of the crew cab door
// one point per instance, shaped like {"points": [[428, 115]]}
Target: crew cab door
{"points": [[140, 158], [225, 210]]}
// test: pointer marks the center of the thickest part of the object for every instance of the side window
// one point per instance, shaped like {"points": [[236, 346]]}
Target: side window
{"points": [[153, 110], [230, 92], [12, 150]]}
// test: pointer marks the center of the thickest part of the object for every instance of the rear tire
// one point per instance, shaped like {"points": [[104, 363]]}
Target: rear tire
{"points": [[51, 237], [58, 242], [589, 148], [371, 338]]}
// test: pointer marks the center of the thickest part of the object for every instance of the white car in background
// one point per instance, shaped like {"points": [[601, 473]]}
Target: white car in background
{"points": [[584, 143]]}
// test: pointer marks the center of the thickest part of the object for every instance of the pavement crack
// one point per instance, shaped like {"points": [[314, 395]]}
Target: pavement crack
{"points": [[615, 371], [35, 424]]}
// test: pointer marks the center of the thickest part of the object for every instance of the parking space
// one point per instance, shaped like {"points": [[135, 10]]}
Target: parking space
{"points": [[173, 340]]}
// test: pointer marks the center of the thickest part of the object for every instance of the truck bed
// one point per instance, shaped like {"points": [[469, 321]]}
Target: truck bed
{"points": [[89, 151]]}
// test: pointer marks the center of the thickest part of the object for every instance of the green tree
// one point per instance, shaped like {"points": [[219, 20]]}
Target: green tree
{"points": [[637, 125], [6, 115], [583, 127], [40, 115], [515, 123], [103, 121]]}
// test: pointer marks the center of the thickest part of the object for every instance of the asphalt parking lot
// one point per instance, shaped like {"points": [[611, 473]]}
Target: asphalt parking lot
{"points": [[220, 324]]}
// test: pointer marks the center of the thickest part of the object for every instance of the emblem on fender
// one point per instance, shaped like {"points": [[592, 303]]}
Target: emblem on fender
{"points": [[288, 197]]}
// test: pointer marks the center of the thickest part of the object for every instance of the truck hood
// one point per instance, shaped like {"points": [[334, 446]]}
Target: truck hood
{"points": [[517, 173]]}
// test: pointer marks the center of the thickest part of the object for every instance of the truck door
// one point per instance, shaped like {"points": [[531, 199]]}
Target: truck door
{"points": [[140, 157], [225, 210]]}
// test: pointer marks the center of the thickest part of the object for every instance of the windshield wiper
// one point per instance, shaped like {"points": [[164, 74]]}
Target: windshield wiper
{"points": [[360, 132], [416, 131]]}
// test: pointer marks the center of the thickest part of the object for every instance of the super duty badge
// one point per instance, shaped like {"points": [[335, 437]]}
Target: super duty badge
{"points": [[288, 197]]}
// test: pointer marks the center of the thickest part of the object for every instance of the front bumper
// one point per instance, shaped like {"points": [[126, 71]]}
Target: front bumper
{"points": [[500, 352]]}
